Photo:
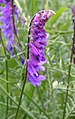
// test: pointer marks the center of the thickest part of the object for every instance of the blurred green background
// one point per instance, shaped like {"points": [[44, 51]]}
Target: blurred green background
{"points": [[46, 101]]}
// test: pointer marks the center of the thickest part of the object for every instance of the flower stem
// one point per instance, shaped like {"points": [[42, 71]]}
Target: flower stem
{"points": [[69, 71], [40, 98], [25, 76], [21, 94], [30, 115], [13, 22], [6, 72]]}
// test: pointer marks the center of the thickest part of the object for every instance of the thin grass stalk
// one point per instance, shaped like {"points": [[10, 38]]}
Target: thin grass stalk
{"points": [[40, 98], [41, 110], [21, 94], [25, 76], [69, 71], [6, 62], [13, 21], [23, 109]]}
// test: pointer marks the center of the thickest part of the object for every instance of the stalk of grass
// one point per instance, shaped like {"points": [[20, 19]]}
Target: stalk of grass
{"points": [[69, 71], [21, 94], [25, 76], [40, 98], [22, 108], [6, 72], [41, 110]]}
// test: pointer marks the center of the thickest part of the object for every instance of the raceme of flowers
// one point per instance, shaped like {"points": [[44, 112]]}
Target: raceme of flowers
{"points": [[38, 37], [7, 22]]}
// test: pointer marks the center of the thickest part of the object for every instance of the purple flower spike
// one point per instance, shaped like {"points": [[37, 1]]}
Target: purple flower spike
{"points": [[38, 37], [6, 18]]}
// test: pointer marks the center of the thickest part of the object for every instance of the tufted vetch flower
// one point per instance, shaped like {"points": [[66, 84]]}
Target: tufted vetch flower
{"points": [[38, 40], [8, 26]]}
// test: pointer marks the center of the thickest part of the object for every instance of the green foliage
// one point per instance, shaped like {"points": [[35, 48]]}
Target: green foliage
{"points": [[46, 101]]}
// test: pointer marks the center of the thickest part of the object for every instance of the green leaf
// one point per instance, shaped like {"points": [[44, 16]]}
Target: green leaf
{"points": [[58, 15], [12, 63]]}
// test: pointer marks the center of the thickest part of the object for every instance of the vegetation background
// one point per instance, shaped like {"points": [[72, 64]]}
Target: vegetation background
{"points": [[48, 100]]}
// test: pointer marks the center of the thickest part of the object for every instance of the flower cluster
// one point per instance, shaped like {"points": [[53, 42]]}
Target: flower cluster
{"points": [[38, 37], [4, 1], [7, 22]]}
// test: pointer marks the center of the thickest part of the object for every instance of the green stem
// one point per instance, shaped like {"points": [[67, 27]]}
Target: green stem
{"points": [[68, 82], [21, 94], [58, 32], [69, 71], [6, 72], [40, 98], [7, 86], [44, 112], [24, 117], [25, 76], [14, 30], [13, 21], [23, 109]]}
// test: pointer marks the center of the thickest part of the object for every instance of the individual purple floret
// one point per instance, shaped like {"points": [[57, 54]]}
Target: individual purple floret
{"points": [[7, 22], [4, 1], [38, 37], [73, 11]]}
